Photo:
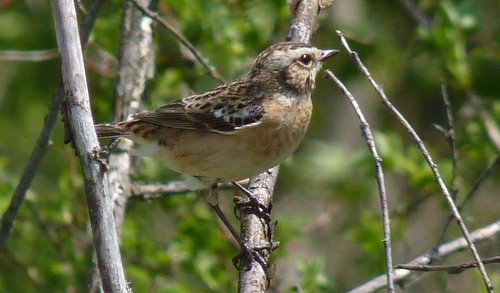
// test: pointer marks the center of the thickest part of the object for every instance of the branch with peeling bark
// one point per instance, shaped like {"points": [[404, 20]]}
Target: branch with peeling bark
{"points": [[136, 67]]}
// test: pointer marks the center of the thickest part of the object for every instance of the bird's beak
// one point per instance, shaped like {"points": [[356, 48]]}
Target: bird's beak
{"points": [[325, 54]]}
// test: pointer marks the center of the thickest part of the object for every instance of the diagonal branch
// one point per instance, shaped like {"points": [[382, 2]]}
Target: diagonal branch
{"points": [[211, 69], [31, 167], [477, 183]]}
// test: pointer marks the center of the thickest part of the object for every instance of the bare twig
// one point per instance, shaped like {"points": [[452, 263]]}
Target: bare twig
{"points": [[211, 69], [31, 167], [446, 249], [367, 135], [451, 138], [417, 14], [450, 269], [84, 137], [426, 155], [140, 190], [491, 128], [47, 229], [90, 18], [152, 191], [29, 56], [486, 173]]}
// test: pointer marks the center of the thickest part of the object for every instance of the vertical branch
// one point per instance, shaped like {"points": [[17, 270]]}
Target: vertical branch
{"points": [[256, 230], [303, 23], [135, 69], [84, 137]]}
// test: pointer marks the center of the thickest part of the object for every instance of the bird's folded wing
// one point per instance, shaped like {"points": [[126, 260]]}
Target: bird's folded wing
{"points": [[213, 113]]}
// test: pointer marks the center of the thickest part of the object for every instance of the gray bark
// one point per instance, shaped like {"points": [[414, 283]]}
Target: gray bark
{"points": [[81, 126]]}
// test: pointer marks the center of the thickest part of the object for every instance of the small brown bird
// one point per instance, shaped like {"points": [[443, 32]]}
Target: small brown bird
{"points": [[238, 129]]}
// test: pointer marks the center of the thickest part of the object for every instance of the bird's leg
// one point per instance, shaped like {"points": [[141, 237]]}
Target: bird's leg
{"points": [[252, 204], [106, 150], [212, 196]]}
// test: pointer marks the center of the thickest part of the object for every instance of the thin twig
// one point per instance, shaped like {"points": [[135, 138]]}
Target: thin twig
{"points": [[47, 230], [491, 128], [41, 146], [29, 56], [450, 269], [451, 138], [417, 14], [211, 69], [152, 191], [446, 249], [477, 183], [90, 18], [149, 191], [486, 173], [367, 135], [437, 176]]}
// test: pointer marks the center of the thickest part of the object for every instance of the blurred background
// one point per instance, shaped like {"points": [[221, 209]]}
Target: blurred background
{"points": [[326, 200]]}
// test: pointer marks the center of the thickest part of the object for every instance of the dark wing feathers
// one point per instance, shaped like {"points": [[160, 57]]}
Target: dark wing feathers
{"points": [[222, 112]]}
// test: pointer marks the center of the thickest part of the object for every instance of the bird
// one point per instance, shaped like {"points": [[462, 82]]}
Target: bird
{"points": [[236, 130]]}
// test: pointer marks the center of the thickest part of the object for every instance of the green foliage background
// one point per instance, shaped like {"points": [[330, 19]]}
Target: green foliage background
{"points": [[174, 244]]}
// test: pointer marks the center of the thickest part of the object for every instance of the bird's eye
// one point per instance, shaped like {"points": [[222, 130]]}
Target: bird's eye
{"points": [[306, 59]]}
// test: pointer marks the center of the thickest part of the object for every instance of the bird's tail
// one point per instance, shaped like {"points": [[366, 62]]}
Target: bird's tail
{"points": [[111, 130]]}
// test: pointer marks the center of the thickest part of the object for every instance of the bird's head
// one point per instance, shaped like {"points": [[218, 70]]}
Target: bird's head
{"points": [[293, 65]]}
